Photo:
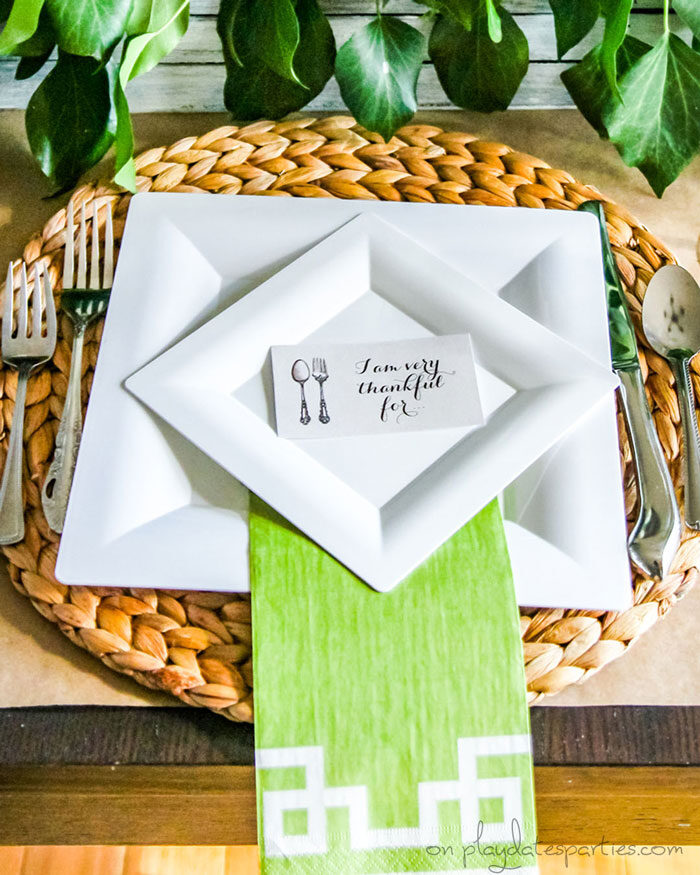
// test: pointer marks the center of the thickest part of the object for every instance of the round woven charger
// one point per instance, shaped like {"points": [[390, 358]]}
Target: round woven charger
{"points": [[197, 645]]}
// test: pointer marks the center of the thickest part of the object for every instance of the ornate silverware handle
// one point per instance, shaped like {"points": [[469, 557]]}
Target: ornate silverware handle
{"points": [[691, 442], [11, 505], [323, 411], [304, 417], [54, 495], [657, 531]]}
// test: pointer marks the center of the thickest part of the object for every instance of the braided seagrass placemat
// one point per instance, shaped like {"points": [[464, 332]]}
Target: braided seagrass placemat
{"points": [[196, 645]]}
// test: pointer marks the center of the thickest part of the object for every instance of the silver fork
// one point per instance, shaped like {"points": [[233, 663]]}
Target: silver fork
{"points": [[320, 374], [82, 304], [25, 352]]}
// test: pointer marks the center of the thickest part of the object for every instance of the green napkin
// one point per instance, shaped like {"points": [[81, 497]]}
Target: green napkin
{"points": [[391, 729]]}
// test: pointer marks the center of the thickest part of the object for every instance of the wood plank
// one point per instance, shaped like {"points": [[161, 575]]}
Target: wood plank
{"points": [[367, 7], [644, 805], [90, 735], [216, 805], [199, 88], [243, 860], [170, 860], [195, 82], [65, 859], [11, 859], [143, 805], [201, 44]]}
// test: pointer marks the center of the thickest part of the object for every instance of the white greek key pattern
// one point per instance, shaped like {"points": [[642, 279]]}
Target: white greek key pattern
{"points": [[315, 798]]}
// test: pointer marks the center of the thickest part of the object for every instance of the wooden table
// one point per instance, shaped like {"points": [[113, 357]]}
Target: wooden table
{"points": [[108, 775]]}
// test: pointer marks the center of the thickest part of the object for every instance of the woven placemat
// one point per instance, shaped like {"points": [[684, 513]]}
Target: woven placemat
{"points": [[196, 645]]}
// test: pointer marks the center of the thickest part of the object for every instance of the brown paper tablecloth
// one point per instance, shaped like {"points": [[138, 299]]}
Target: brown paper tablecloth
{"points": [[41, 667]]}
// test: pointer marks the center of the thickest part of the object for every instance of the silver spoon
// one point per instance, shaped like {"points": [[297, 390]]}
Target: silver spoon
{"points": [[300, 374], [671, 320]]}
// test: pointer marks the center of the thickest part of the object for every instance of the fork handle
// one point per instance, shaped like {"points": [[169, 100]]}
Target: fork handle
{"points": [[323, 412], [11, 504], [54, 495]]}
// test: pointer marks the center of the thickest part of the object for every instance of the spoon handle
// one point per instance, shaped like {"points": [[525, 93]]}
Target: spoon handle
{"points": [[691, 441], [304, 419], [657, 533]]}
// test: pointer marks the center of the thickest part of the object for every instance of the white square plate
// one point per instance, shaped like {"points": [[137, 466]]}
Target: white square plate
{"points": [[379, 504], [169, 517]]}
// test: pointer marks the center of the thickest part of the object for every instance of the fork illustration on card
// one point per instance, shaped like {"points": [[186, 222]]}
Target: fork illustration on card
{"points": [[320, 374]]}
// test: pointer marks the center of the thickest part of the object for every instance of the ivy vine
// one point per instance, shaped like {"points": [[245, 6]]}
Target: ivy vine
{"points": [[279, 54]]}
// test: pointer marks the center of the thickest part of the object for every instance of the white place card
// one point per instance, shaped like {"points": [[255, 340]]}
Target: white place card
{"points": [[340, 390]]}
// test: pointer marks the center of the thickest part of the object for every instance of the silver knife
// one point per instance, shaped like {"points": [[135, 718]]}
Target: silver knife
{"points": [[656, 535]]}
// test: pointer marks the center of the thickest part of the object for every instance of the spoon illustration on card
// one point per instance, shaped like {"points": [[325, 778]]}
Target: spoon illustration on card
{"points": [[671, 319], [300, 374]]}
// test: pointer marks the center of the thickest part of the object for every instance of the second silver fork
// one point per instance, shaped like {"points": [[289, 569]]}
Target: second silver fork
{"points": [[24, 347], [320, 374], [82, 302]]}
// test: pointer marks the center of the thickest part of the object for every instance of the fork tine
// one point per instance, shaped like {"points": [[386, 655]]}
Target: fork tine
{"points": [[23, 303], [82, 252], [95, 251], [7, 305], [108, 275], [50, 311], [70, 243], [36, 303]]}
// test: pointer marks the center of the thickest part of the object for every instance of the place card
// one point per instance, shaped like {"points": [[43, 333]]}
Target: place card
{"points": [[340, 390]]}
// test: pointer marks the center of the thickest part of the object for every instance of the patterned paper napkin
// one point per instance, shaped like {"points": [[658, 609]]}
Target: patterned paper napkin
{"points": [[392, 732]]}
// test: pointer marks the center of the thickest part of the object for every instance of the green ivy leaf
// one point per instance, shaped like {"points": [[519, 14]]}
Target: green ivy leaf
{"points": [[35, 51], [275, 28], [253, 89], [617, 16], [656, 127], [475, 72], [21, 24], [493, 20], [139, 17], [89, 28], [464, 11], [573, 20], [29, 65], [689, 11], [163, 22], [69, 119], [588, 85], [225, 27], [165, 28], [377, 71], [461, 10], [124, 167]]}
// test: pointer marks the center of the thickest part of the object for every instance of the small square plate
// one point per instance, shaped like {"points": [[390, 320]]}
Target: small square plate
{"points": [[380, 505], [171, 517]]}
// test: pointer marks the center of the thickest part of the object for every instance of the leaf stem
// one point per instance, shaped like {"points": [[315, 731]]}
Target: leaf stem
{"points": [[666, 24]]}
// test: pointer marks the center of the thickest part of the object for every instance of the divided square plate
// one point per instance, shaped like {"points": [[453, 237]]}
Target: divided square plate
{"points": [[380, 505], [148, 509]]}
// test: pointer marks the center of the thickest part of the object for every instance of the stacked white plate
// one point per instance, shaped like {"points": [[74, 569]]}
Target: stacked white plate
{"points": [[205, 286]]}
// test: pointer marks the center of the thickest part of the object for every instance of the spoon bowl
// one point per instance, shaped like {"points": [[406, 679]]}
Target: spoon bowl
{"points": [[671, 312], [300, 371], [671, 322]]}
